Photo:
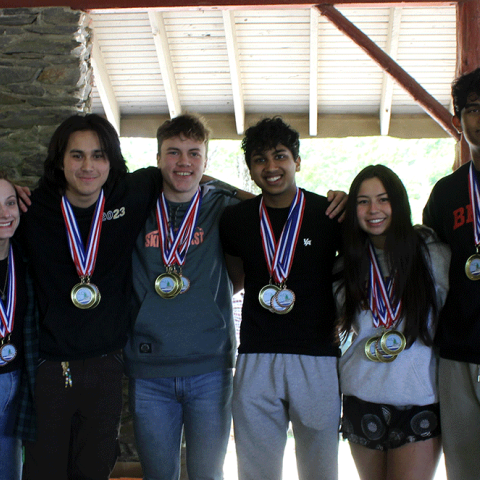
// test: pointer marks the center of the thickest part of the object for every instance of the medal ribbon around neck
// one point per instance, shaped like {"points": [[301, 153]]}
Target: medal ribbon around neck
{"points": [[279, 256], [380, 296], [84, 259], [175, 246], [7, 312], [474, 193]]}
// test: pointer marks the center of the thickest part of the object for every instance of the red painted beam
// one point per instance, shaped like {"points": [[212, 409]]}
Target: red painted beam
{"points": [[431, 106], [207, 4]]}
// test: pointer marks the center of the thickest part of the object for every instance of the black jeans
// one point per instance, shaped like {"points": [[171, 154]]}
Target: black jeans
{"points": [[77, 426]]}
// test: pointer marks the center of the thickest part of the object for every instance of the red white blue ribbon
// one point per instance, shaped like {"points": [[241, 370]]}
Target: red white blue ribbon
{"points": [[84, 259], [279, 256], [381, 295], [7, 312], [174, 245], [474, 192]]}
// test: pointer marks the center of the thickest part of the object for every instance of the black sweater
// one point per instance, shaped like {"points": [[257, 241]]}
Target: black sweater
{"points": [[448, 212], [67, 332]]}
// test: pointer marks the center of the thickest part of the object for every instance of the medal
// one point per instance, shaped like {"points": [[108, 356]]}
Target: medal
{"points": [[393, 342], [84, 295], [387, 346], [174, 246], [375, 353], [185, 284], [266, 294], [282, 302], [279, 256], [8, 351], [370, 350], [382, 356], [168, 284], [472, 265]]}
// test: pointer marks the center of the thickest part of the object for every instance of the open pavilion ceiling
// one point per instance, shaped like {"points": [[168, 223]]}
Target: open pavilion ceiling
{"points": [[237, 65]]}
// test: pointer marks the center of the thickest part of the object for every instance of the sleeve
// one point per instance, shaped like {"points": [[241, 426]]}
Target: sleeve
{"points": [[438, 258], [440, 255], [227, 231], [148, 180], [430, 217], [338, 286], [25, 427]]}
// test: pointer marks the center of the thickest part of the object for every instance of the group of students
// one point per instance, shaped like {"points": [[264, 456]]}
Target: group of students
{"points": [[135, 273]]}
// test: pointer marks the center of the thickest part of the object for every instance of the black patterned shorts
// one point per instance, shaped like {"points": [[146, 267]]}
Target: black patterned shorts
{"points": [[381, 427]]}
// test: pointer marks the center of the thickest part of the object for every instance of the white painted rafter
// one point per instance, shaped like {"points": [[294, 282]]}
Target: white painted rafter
{"points": [[105, 89], [391, 49], [313, 92], [235, 74], [165, 61]]}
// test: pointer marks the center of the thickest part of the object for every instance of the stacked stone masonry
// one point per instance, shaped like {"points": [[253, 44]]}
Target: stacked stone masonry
{"points": [[45, 76]]}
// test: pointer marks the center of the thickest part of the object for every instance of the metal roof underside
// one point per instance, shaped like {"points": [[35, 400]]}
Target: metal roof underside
{"points": [[235, 66]]}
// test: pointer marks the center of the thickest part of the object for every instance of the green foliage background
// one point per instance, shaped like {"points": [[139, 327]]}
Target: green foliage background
{"points": [[329, 163]]}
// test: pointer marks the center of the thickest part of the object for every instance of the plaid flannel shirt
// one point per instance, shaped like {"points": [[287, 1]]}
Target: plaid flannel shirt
{"points": [[25, 427]]}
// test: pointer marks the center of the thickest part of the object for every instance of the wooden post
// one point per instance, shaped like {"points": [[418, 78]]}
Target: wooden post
{"points": [[468, 55]]}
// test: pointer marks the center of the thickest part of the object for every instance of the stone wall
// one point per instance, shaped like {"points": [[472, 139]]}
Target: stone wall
{"points": [[45, 76]]}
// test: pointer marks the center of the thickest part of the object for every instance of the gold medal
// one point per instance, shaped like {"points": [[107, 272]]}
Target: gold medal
{"points": [[266, 294], [472, 267], [382, 356], [168, 284], [393, 342], [85, 295], [370, 350]]}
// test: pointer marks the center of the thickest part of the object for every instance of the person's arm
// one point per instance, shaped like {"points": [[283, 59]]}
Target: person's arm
{"points": [[338, 200], [235, 271], [236, 192]]}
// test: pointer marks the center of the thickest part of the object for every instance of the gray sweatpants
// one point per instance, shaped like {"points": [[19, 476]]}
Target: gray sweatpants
{"points": [[460, 416], [271, 390]]}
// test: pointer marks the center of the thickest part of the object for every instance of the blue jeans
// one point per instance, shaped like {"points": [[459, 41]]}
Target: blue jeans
{"points": [[201, 404], [10, 447]]}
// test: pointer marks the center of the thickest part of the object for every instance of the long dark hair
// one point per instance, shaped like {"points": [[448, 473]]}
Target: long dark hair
{"points": [[53, 166], [405, 252]]}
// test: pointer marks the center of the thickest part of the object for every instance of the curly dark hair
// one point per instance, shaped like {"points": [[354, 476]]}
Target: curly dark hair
{"points": [[462, 87], [267, 134]]}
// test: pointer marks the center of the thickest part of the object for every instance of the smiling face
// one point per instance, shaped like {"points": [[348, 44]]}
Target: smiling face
{"points": [[86, 168], [182, 161], [274, 172], [9, 215], [374, 211]]}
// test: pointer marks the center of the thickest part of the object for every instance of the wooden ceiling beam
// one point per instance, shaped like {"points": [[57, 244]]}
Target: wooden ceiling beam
{"points": [[429, 104], [313, 94], [165, 61], [104, 86], [235, 74], [391, 49]]}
